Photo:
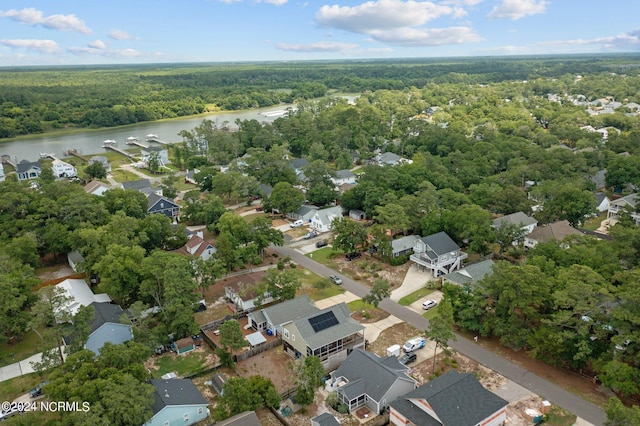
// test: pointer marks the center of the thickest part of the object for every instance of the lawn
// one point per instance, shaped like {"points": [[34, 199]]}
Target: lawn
{"points": [[123, 175], [325, 256], [180, 364], [11, 389], [358, 305], [30, 344], [415, 296], [559, 417], [315, 286], [251, 217], [593, 223]]}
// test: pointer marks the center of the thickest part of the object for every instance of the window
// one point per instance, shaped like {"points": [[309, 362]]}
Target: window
{"points": [[293, 337], [185, 416], [286, 333], [200, 410], [165, 423]]}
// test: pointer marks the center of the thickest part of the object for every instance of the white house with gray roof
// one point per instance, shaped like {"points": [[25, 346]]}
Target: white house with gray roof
{"points": [[177, 402], [330, 334], [273, 317], [452, 399], [527, 223], [27, 170], [438, 254], [470, 274], [304, 213], [321, 220], [624, 204], [344, 176], [366, 379], [403, 245]]}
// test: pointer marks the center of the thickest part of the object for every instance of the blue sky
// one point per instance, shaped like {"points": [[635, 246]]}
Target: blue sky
{"points": [[67, 32]]}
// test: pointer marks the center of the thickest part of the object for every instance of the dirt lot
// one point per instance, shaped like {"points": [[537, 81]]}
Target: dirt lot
{"points": [[273, 364], [367, 269]]}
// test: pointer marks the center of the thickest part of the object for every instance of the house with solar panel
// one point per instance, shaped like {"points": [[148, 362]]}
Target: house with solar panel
{"points": [[330, 334]]}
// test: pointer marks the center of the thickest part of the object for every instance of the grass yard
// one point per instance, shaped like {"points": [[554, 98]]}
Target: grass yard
{"points": [[325, 256], [415, 296], [315, 286], [124, 176], [13, 388], [593, 223], [181, 364], [431, 313], [30, 344], [251, 217], [559, 417]]}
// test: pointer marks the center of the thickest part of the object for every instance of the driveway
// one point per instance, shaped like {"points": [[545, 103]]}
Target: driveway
{"points": [[414, 280], [417, 305], [550, 391]]}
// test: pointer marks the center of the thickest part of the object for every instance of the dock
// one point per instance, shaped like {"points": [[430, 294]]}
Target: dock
{"points": [[136, 141], [6, 159], [154, 138], [111, 144], [74, 152]]}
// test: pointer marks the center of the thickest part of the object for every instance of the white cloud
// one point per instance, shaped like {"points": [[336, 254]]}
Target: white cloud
{"points": [[380, 15], [517, 9], [321, 46], [463, 2], [32, 16], [427, 36], [624, 41], [119, 35], [42, 46], [97, 44], [97, 47], [273, 2]]}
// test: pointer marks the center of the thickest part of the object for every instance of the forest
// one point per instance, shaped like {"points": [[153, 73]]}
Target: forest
{"points": [[484, 138], [36, 99]]}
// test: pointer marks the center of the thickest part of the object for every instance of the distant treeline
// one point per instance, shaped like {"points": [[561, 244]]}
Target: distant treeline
{"points": [[37, 99]]}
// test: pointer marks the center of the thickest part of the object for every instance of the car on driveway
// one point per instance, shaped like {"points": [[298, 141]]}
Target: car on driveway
{"points": [[414, 344], [322, 243], [408, 358], [428, 304], [310, 235], [297, 223], [37, 391], [336, 279]]}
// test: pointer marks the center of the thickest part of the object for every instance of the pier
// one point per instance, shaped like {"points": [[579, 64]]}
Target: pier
{"points": [[136, 141], [74, 152], [111, 144], [6, 159], [154, 138]]}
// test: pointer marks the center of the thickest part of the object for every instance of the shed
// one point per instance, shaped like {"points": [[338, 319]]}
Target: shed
{"points": [[357, 214], [393, 350], [183, 346], [217, 383], [255, 339]]}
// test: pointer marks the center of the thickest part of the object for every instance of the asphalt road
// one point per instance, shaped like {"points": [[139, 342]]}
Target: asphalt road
{"points": [[538, 385]]}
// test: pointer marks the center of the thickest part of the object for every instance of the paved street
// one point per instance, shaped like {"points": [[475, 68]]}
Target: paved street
{"points": [[546, 389]]}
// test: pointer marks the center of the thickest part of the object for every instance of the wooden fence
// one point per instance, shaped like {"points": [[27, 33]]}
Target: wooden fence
{"points": [[263, 347]]}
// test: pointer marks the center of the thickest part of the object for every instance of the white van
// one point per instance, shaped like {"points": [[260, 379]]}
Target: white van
{"points": [[297, 223], [414, 344]]}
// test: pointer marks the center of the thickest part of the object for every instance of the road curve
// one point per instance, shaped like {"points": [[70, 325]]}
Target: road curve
{"points": [[546, 389]]}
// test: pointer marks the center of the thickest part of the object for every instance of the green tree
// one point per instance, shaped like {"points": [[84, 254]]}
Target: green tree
{"points": [[120, 271], [321, 193], [348, 234], [620, 415], [285, 198], [308, 374], [231, 335], [379, 291], [95, 170], [281, 285], [261, 233], [441, 329], [237, 397], [16, 283]]}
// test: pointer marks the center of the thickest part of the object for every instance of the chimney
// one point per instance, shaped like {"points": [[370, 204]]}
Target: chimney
{"points": [[166, 394]]}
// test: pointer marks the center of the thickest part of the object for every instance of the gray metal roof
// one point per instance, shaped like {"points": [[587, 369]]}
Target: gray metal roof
{"points": [[404, 243], [517, 218], [326, 215], [440, 243], [457, 399], [325, 419], [289, 310], [256, 338], [389, 158], [344, 174], [246, 418], [25, 165], [298, 163], [470, 274], [368, 373], [137, 184], [346, 327], [176, 392]]}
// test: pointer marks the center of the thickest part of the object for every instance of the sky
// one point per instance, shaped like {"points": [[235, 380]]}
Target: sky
{"points": [[74, 32]]}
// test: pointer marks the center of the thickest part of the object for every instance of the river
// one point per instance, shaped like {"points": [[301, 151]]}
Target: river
{"points": [[90, 141]]}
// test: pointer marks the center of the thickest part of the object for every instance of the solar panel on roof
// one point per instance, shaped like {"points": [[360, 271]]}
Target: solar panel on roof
{"points": [[323, 321]]}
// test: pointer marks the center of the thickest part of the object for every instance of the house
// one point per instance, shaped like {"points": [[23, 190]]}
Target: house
{"points": [[602, 202], [265, 190], [106, 326], [163, 205], [470, 274], [599, 178], [77, 294], [321, 220], [345, 187], [62, 169], [190, 176], [177, 402], [325, 419], [197, 247], [553, 231], [102, 160], [274, 317], [27, 170], [366, 379], [149, 153], [76, 261], [437, 253], [183, 346], [388, 159], [244, 295], [403, 245], [525, 222], [297, 164], [357, 214], [452, 399], [246, 418], [624, 204], [344, 176], [330, 334], [141, 185], [95, 187], [304, 213]]}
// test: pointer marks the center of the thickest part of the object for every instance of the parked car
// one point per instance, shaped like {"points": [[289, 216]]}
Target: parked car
{"points": [[336, 279], [259, 209], [352, 256], [408, 358], [37, 391], [322, 243], [310, 235], [428, 304], [414, 344], [297, 223]]}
